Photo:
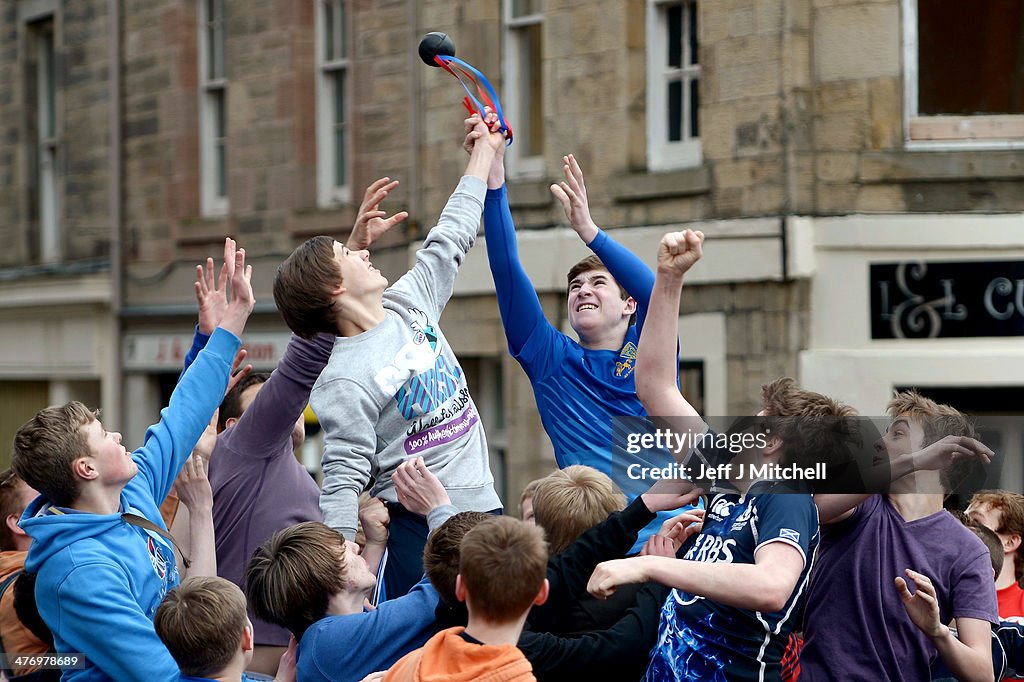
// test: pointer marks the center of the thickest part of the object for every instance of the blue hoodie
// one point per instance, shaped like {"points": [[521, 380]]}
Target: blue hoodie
{"points": [[101, 579]]}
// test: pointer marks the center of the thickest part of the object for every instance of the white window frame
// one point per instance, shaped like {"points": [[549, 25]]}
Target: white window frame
{"points": [[992, 131], [212, 203], [329, 193], [519, 166], [661, 154], [47, 137]]}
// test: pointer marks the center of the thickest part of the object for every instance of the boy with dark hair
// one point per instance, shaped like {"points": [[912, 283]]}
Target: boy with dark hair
{"points": [[203, 623], [583, 387], [393, 387], [1002, 512], [312, 581], [502, 568], [441, 554], [259, 486], [735, 594], [103, 558], [870, 553]]}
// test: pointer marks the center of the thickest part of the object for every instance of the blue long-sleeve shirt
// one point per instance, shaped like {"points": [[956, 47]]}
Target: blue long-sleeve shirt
{"points": [[579, 392], [100, 579]]}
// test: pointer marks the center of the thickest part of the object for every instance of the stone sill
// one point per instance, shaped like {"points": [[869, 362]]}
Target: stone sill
{"points": [[667, 185], [940, 166]]}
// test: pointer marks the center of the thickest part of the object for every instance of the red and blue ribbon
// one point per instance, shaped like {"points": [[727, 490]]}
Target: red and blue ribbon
{"points": [[488, 98]]}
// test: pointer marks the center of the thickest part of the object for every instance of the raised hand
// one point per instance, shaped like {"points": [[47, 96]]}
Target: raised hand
{"points": [[211, 295], [943, 452], [238, 372], [678, 252], [286, 667], [418, 489], [242, 299], [922, 606], [371, 222], [496, 175], [193, 487], [572, 195]]}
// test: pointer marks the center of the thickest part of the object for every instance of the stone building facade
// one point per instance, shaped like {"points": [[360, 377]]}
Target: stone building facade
{"points": [[810, 139]]}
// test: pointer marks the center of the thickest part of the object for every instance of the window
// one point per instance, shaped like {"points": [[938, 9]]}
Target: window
{"points": [[333, 148], [964, 66], [523, 106], [673, 85], [212, 109], [42, 124], [691, 383]]}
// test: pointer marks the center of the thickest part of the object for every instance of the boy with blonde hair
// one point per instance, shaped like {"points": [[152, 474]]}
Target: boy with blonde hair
{"points": [[502, 568], [570, 501]]}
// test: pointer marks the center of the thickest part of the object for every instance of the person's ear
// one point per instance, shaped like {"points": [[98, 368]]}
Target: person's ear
{"points": [[229, 422], [460, 588], [630, 306], [1011, 543], [83, 468], [773, 449], [542, 595], [12, 524], [247, 638]]}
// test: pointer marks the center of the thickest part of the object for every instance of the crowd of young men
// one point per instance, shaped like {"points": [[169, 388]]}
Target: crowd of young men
{"points": [[770, 579]]}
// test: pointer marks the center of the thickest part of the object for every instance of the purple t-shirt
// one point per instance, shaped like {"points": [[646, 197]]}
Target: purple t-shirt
{"points": [[259, 487], [856, 627]]}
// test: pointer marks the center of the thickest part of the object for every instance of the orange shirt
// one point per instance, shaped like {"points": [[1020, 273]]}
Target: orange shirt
{"points": [[16, 637], [1011, 601]]}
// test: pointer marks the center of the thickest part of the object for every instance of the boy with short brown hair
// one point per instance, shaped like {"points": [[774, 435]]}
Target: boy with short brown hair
{"points": [[502, 569]]}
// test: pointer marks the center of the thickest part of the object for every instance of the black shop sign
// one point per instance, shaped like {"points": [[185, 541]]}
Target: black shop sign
{"points": [[919, 300]]}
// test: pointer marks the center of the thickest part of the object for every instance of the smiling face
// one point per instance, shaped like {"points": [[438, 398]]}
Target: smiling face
{"points": [[596, 305], [112, 463], [358, 276]]}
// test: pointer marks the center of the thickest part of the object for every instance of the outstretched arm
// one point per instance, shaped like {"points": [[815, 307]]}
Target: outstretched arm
{"points": [[521, 312], [628, 270], [657, 359], [431, 280]]}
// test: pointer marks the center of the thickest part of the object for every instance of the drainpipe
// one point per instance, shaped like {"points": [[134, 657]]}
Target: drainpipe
{"points": [[416, 125], [113, 383]]}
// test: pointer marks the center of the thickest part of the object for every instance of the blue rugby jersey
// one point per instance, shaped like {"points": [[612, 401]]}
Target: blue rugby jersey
{"points": [[699, 639]]}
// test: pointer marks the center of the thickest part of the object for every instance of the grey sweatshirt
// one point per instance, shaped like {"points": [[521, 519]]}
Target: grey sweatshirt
{"points": [[397, 391]]}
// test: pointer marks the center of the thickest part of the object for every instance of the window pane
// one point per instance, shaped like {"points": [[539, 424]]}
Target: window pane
{"points": [[692, 30], [215, 10], [970, 57], [674, 25], [49, 72], [522, 8], [329, 31], [693, 110], [339, 17], [530, 126], [220, 113], [340, 142], [222, 170], [675, 111]]}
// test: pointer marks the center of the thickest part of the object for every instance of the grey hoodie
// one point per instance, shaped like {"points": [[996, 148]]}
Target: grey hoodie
{"points": [[397, 391]]}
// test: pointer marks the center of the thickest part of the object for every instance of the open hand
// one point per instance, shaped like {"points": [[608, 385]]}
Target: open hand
{"points": [[242, 299], [572, 195], [922, 606], [682, 527], [212, 296], [193, 487], [943, 452], [371, 222]]}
